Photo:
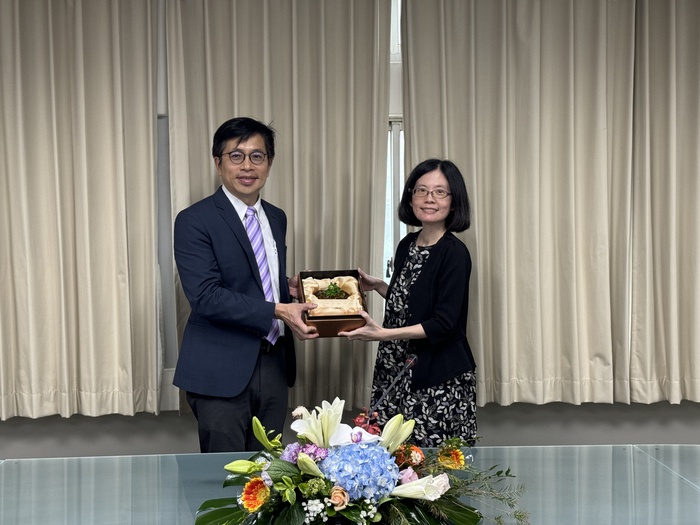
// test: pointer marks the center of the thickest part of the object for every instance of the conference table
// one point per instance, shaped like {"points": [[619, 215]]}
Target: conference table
{"points": [[564, 485]]}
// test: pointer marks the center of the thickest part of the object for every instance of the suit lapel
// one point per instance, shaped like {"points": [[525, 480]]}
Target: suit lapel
{"points": [[228, 214]]}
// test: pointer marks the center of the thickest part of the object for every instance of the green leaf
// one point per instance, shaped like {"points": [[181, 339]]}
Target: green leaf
{"points": [[290, 515], [217, 503], [459, 513], [252, 519], [280, 468], [426, 517], [414, 514], [290, 496], [353, 513], [233, 480], [265, 517], [221, 517]]}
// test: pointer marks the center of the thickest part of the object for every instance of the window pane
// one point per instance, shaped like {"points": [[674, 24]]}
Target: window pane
{"points": [[394, 230]]}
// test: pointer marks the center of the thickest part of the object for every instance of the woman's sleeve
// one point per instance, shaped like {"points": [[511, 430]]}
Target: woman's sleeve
{"points": [[450, 294]]}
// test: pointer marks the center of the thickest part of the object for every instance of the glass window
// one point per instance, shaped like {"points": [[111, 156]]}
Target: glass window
{"points": [[394, 230]]}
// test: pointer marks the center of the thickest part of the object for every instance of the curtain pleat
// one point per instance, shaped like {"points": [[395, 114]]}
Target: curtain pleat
{"points": [[535, 101], [576, 124], [79, 318], [521, 100], [317, 71], [665, 364]]}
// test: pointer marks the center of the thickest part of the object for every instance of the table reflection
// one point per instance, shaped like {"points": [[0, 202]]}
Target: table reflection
{"points": [[616, 484]]}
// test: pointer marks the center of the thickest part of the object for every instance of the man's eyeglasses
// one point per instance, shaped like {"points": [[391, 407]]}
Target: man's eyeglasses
{"points": [[237, 157], [422, 193]]}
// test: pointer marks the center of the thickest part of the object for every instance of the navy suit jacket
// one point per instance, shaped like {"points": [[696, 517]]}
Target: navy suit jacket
{"points": [[230, 315]]}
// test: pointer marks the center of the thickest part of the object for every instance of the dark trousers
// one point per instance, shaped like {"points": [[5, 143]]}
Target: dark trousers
{"points": [[224, 423]]}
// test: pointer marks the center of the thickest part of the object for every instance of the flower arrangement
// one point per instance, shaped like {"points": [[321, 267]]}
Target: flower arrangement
{"points": [[337, 474]]}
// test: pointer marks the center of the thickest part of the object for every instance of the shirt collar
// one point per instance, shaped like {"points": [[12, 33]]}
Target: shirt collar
{"points": [[240, 206]]}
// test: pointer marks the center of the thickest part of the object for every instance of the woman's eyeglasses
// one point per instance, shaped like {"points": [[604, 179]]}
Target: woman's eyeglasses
{"points": [[422, 193]]}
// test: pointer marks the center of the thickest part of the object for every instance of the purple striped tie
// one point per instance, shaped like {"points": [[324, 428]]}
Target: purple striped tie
{"points": [[252, 226]]}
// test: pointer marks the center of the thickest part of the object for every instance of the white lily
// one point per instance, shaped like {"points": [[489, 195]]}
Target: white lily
{"points": [[396, 431], [330, 415], [345, 435], [428, 488], [309, 428], [308, 465], [319, 426]]}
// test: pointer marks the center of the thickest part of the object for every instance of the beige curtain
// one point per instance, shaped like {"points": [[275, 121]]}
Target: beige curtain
{"points": [[665, 362], [576, 125], [317, 70], [79, 323]]}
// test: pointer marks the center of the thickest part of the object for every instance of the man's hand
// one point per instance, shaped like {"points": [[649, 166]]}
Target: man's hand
{"points": [[291, 314]]}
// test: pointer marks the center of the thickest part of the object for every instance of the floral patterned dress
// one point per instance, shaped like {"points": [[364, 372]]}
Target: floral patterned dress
{"points": [[443, 411]]}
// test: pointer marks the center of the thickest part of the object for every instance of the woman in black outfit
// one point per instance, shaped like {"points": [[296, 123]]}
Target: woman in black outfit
{"points": [[426, 312]]}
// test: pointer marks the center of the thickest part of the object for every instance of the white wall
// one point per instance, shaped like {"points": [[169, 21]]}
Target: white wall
{"points": [[170, 433]]}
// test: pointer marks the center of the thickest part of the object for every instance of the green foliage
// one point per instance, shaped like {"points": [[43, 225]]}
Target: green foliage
{"points": [[290, 515], [332, 292], [287, 490], [222, 511], [279, 469]]}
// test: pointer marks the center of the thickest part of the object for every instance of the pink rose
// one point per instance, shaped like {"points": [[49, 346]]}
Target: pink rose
{"points": [[407, 475], [339, 498]]}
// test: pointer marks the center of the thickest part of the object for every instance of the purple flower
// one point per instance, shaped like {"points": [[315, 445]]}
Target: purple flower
{"points": [[291, 452], [315, 452]]}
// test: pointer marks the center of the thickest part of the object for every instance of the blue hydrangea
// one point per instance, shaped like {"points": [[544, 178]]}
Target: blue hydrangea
{"points": [[364, 470]]}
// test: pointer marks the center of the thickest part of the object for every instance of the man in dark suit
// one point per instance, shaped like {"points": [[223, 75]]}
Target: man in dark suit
{"points": [[237, 354]]}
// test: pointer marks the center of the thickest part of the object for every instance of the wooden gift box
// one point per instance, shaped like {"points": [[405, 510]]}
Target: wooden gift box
{"points": [[330, 325]]}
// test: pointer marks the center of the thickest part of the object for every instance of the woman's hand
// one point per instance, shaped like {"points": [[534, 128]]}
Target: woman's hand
{"points": [[370, 332], [293, 283], [370, 283], [374, 332]]}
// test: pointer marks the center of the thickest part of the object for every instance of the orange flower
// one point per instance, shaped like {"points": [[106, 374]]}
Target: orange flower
{"points": [[451, 458], [416, 456], [255, 494], [409, 455]]}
